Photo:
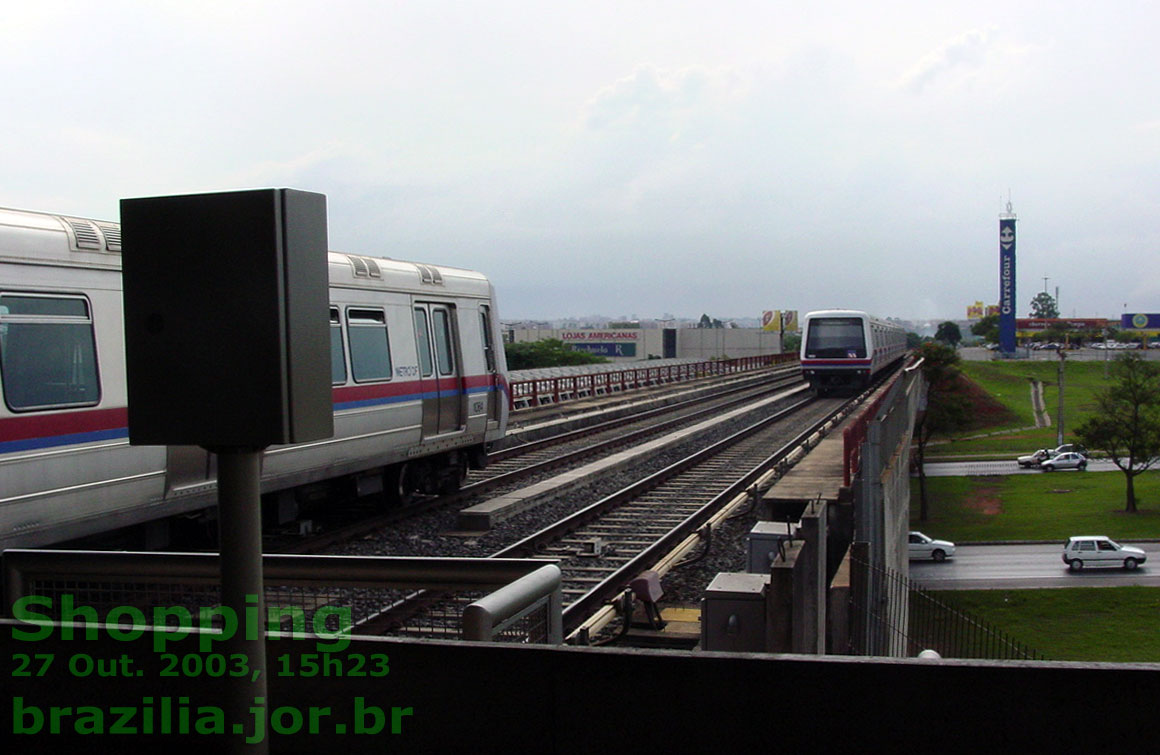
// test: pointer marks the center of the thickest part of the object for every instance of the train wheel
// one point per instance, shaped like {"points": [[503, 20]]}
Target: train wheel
{"points": [[400, 485], [454, 476]]}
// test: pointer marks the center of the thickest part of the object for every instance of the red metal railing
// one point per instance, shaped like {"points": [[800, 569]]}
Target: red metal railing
{"points": [[538, 392]]}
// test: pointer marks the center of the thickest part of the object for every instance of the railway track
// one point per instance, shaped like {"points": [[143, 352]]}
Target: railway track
{"points": [[635, 527], [514, 466], [588, 443], [603, 546]]}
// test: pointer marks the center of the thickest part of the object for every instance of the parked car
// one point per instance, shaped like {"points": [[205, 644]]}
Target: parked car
{"points": [[1035, 459], [922, 547], [1065, 461], [1099, 550]]}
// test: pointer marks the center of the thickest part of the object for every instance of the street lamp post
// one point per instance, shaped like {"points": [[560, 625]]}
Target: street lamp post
{"points": [[1059, 422]]}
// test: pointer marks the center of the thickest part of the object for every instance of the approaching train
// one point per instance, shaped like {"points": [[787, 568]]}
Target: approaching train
{"points": [[843, 350], [418, 373]]}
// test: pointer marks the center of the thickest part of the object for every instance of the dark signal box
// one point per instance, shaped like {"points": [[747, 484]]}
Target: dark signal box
{"points": [[227, 334]]}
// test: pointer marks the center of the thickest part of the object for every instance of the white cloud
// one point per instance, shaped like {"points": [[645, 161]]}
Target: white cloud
{"points": [[961, 55]]}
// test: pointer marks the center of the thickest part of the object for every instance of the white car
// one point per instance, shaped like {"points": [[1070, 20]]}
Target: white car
{"points": [[1098, 550], [922, 546], [1070, 460], [1035, 459]]}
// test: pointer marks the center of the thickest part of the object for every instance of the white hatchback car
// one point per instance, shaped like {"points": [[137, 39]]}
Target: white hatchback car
{"points": [[922, 546], [1065, 461], [1098, 550]]}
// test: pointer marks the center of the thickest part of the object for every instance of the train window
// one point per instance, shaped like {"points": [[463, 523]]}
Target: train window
{"points": [[337, 362], [836, 337], [48, 356], [370, 349], [485, 336], [423, 342], [443, 342]]}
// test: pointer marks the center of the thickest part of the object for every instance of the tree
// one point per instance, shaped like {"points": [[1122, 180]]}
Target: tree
{"points": [[550, 352], [987, 328], [1126, 425], [1059, 333], [1043, 306], [913, 340], [948, 333], [947, 407]]}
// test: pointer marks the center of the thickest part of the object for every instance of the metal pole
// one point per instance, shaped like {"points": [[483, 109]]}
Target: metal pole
{"points": [[240, 537], [1059, 423]]}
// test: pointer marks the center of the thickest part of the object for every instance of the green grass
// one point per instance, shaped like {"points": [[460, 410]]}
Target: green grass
{"points": [[1116, 624], [1047, 506], [1009, 383]]}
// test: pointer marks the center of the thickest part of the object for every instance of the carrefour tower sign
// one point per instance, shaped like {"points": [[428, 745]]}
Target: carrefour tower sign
{"points": [[1007, 281]]}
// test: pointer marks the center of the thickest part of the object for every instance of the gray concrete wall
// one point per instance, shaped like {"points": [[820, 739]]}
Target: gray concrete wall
{"points": [[732, 343]]}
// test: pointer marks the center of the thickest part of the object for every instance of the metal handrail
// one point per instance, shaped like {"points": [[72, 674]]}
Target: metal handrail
{"points": [[540, 590], [540, 391]]}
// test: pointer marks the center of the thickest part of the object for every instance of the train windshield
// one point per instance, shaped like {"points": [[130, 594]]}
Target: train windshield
{"points": [[841, 337]]}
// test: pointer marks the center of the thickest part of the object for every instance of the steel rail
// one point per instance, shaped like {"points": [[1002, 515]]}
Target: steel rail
{"points": [[779, 377], [587, 453], [403, 611], [577, 611], [535, 541]]}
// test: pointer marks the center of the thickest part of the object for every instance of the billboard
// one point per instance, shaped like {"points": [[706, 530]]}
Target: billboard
{"points": [[1140, 321], [1007, 282], [611, 350], [606, 343], [978, 310], [776, 320]]}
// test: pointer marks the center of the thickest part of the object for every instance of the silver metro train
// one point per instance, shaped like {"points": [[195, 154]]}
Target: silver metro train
{"points": [[843, 350], [417, 366]]}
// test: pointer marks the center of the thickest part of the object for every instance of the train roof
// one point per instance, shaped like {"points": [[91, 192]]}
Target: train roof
{"points": [[359, 271], [839, 313], [43, 237], [849, 313], [46, 238]]}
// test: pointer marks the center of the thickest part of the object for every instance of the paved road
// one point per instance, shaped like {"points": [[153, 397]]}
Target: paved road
{"points": [[1017, 567], [974, 468]]}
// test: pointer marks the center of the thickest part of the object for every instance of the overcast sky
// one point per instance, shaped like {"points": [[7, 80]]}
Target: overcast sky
{"points": [[629, 157]]}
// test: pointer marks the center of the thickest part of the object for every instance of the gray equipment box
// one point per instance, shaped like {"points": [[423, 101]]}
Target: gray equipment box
{"points": [[763, 543], [733, 613], [227, 328]]}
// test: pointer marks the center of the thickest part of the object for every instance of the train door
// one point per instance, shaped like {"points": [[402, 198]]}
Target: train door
{"points": [[439, 373], [492, 395]]}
